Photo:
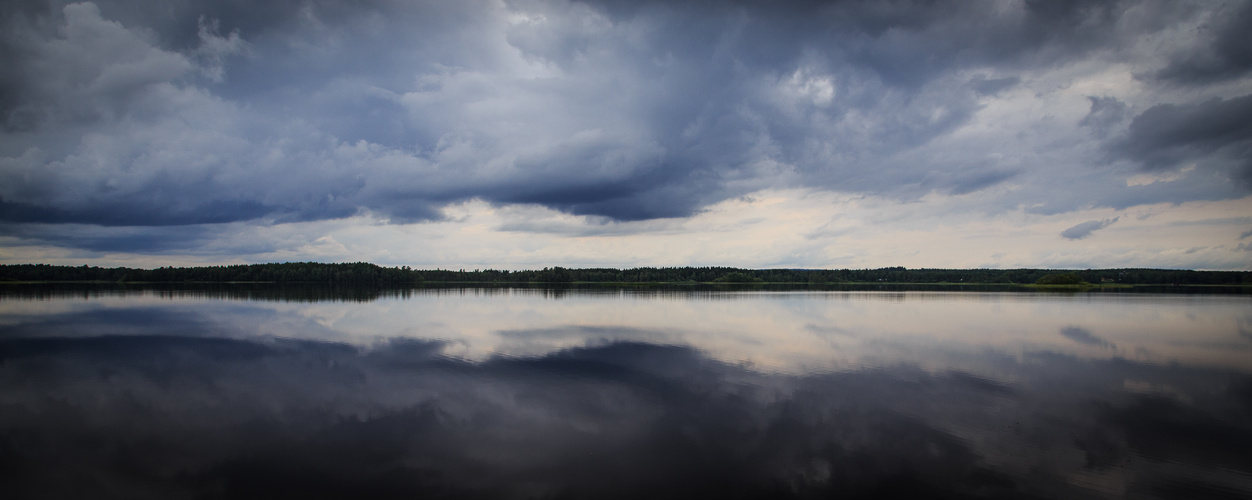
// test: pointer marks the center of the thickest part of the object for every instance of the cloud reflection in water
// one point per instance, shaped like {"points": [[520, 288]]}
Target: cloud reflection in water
{"points": [[196, 411]]}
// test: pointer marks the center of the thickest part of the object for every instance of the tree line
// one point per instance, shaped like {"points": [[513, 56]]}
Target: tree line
{"points": [[362, 273]]}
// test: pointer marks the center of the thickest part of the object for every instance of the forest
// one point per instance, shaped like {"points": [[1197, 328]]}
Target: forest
{"points": [[362, 273]]}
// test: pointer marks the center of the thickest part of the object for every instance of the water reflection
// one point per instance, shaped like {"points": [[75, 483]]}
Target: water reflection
{"points": [[514, 394]]}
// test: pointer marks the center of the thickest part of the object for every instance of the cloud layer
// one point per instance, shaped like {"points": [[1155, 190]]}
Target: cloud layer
{"points": [[204, 113]]}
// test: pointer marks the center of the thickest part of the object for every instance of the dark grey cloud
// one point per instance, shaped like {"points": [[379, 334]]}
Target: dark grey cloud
{"points": [[118, 113], [993, 86], [975, 179], [1106, 112], [1084, 229], [1217, 133], [139, 212], [182, 240], [1223, 54]]}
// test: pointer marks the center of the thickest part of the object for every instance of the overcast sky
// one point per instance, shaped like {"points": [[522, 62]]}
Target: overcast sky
{"points": [[523, 134]]}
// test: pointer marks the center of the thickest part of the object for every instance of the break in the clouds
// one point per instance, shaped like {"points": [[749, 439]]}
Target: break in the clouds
{"points": [[192, 122]]}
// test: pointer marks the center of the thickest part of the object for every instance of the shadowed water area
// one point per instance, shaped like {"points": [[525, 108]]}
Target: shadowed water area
{"points": [[308, 392]]}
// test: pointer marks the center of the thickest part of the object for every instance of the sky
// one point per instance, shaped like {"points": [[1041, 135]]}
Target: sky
{"points": [[533, 133]]}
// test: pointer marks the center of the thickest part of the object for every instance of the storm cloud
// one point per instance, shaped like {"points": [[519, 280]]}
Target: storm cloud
{"points": [[1225, 52], [1219, 131], [200, 113]]}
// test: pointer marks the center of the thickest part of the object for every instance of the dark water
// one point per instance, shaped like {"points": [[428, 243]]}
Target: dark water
{"points": [[534, 393]]}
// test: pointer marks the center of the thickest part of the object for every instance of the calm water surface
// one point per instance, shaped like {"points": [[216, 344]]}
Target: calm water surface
{"points": [[532, 393]]}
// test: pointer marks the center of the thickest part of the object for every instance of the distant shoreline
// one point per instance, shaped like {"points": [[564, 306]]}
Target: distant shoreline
{"points": [[635, 284], [361, 273]]}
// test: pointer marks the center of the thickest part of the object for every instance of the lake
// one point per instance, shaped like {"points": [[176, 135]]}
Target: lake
{"points": [[317, 392]]}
